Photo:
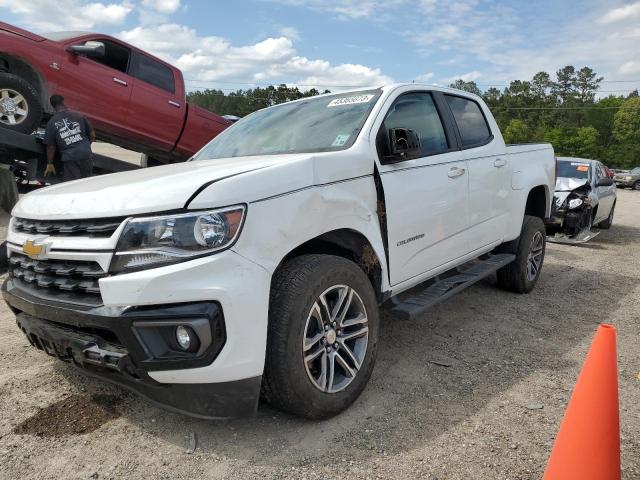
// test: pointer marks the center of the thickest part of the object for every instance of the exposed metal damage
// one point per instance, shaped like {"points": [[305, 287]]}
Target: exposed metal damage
{"points": [[573, 213]]}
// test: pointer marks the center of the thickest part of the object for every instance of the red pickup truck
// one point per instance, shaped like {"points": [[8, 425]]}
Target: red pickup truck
{"points": [[132, 98]]}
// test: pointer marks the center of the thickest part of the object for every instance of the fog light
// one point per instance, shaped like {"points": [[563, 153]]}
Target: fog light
{"points": [[183, 337]]}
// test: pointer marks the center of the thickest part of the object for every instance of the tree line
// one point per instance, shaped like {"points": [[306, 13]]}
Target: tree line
{"points": [[565, 111]]}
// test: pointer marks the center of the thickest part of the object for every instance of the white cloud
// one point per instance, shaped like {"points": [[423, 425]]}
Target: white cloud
{"points": [[622, 13], [630, 67], [347, 9], [211, 58], [162, 6], [425, 77], [76, 14], [290, 32]]}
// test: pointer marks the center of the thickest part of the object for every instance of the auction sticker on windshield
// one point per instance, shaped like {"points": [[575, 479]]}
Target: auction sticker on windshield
{"points": [[350, 100], [340, 141]]}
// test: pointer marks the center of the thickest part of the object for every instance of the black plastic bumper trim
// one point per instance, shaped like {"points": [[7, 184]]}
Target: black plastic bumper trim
{"points": [[102, 358], [120, 320]]}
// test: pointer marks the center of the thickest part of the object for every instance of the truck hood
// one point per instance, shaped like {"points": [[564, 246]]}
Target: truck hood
{"points": [[160, 189], [5, 27]]}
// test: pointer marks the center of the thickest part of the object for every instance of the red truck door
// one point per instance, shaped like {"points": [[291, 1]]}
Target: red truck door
{"points": [[158, 108], [98, 87]]}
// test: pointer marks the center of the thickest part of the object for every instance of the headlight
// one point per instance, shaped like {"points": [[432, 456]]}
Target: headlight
{"points": [[148, 242], [628, 179], [574, 203]]}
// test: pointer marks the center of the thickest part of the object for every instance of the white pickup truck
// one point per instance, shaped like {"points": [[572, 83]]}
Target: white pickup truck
{"points": [[258, 268]]}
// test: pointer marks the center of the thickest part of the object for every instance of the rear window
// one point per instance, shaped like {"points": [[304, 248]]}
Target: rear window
{"points": [[470, 120], [568, 169], [155, 73]]}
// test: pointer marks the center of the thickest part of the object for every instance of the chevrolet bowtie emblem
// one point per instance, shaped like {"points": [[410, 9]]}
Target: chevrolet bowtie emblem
{"points": [[35, 248]]}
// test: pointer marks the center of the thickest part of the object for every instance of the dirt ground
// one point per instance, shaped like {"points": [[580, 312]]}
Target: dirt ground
{"points": [[475, 389]]}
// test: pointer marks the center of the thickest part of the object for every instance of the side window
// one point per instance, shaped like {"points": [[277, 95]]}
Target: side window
{"points": [[470, 120], [415, 111], [600, 173], [155, 73], [115, 56]]}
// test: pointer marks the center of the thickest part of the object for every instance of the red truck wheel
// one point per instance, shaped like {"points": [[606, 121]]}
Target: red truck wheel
{"points": [[20, 108]]}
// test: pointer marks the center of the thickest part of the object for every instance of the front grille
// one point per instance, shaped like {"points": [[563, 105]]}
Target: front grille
{"points": [[98, 227], [66, 275]]}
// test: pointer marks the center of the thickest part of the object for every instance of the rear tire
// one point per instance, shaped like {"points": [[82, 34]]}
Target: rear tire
{"points": [[522, 274], [303, 344], [606, 224], [20, 107]]}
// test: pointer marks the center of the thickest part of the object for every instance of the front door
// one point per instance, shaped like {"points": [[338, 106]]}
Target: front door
{"points": [[158, 107], [606, 194], [426, 196], [98, 87]]}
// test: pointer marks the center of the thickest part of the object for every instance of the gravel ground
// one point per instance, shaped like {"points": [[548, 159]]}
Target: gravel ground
{"points": [[475, 389]]}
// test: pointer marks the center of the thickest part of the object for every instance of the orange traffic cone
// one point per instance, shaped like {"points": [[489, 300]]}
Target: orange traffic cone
{"points": [[588, 444]]}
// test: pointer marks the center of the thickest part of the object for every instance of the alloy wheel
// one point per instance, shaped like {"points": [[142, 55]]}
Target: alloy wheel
{"points": [[335, 340], [14, 108], [535, 256]]}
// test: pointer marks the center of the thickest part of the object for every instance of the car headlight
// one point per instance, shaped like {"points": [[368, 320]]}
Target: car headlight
{"points": [[628, 179], [148, 242], [574, 203]]}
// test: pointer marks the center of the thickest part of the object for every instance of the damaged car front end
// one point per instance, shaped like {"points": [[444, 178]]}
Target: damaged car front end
{"points": [[573, 212], [584, 198]]}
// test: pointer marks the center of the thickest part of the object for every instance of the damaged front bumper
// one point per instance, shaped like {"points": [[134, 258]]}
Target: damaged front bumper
{"points": [[571, 225], [122, 345]]}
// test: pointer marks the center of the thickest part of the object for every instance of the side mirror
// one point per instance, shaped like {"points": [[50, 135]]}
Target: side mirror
{"points": [[90, 49], [605, 182], [404, 143]]}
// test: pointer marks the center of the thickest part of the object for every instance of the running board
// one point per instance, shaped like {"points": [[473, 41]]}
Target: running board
{"points": [[582, 237], [444, 288]]}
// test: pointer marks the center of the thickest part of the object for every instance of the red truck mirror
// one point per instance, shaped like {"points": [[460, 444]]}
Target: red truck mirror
{"points": [[90, 49]]}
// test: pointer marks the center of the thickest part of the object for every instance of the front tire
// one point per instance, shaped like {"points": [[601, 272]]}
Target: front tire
{"points": [[20, 107], [636, 186], [522, 274], [322, 338]]}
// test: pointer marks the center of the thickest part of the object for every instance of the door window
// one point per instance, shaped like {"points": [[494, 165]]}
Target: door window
{"points": [[155, 73], [472, 125], [115, 56], [415, 111]]}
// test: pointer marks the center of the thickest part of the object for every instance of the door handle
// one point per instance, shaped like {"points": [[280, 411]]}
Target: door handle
{"points": [[498, 163], [174, 104], [455, 172], [120, 82]]}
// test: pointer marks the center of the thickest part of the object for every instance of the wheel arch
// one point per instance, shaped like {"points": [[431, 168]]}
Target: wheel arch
{"points": [[349, 244], [538, 204], [10, 63]]}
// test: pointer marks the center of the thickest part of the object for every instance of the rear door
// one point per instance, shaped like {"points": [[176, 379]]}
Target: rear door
{"points": [[157, 107], [426, 196], [489, 172], [99, 87]]}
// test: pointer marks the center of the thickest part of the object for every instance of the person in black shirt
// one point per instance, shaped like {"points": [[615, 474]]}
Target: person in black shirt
{"points": [[70, 134]]}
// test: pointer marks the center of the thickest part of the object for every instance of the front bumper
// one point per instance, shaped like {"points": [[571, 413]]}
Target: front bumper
{"points": [[114, 343]]}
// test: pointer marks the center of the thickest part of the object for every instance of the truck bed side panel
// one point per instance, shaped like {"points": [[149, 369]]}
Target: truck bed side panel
{"points": [[533, 166]]}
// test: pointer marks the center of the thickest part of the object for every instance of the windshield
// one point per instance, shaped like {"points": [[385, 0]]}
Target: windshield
{"points": [[316, 124], [635, 171], [569, 169]]}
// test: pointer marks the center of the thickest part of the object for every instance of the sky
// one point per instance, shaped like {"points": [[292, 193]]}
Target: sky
{"points": [[336, 44]]}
